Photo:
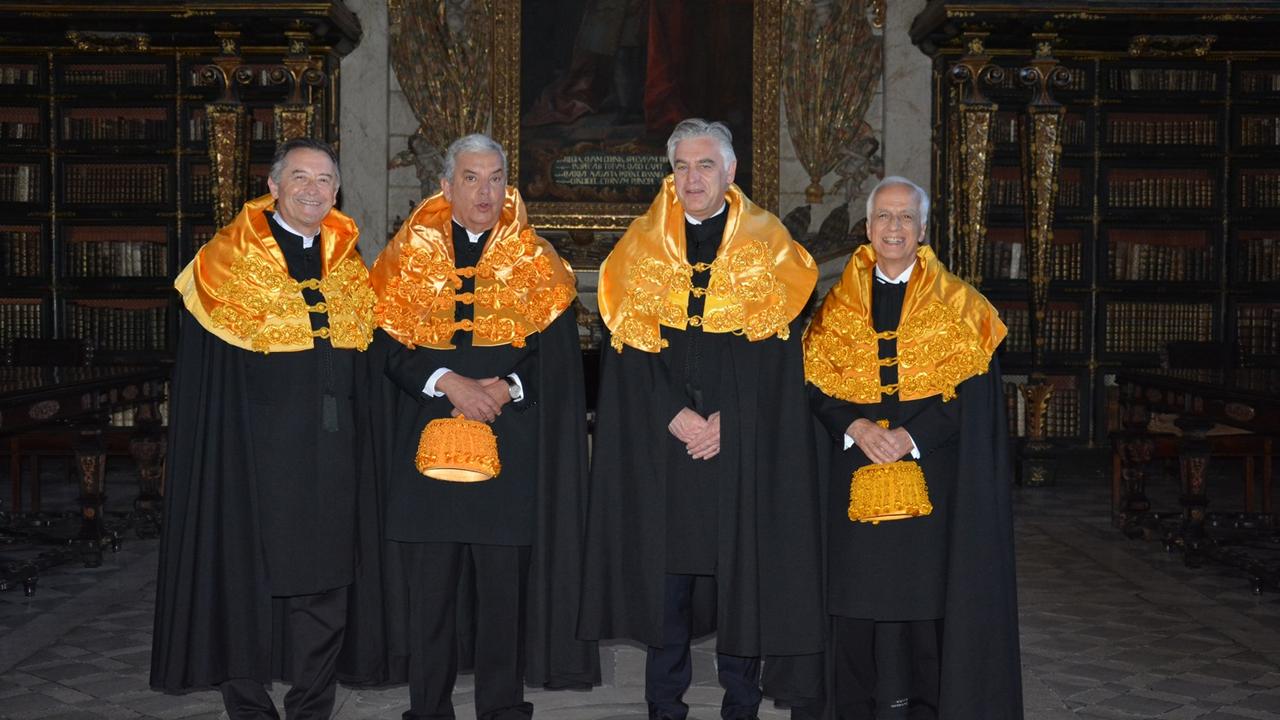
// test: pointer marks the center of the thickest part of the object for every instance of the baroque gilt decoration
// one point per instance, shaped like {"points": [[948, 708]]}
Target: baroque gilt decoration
{"points": [[974, 117], [99, 41], [1171, 45], [1041, 166], [875, 10], [443, 53], [296, 116], [227, 129], [830, 65], [1042, 160]]}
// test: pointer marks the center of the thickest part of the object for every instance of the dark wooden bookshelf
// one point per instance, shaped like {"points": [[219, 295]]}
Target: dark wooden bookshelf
{"points": [[1167, 221], [105, 184]]}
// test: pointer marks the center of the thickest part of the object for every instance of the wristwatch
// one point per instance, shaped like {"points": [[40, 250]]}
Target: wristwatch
{"points": [[513, 389]]}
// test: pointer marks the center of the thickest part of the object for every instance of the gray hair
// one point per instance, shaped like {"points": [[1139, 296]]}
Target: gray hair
{"points": [[303, 143], [475, 142], [696, 128], [922, 197]]}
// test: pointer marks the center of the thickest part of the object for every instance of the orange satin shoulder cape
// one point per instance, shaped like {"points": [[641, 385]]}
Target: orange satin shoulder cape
{"points": [[238, 286], [947, 334], [760, 280], [521, 283]]}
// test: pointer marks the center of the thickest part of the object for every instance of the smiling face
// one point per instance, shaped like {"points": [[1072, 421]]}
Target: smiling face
{"points": [[895, 229], [701, 176], [306, 190], [477, 190]]}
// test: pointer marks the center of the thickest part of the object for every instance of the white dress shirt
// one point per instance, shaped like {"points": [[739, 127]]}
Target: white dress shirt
{"points": [[307, 240]]}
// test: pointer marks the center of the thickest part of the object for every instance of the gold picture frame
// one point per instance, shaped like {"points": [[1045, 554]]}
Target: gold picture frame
{"points": [[766, 51]]}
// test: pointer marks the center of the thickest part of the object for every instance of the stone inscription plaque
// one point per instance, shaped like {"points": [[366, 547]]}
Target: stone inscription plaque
{"points": [[607, 170]]}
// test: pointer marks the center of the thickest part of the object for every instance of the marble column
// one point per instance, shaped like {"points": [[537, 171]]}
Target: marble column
{"points": [[364, 128], [907, 107]]}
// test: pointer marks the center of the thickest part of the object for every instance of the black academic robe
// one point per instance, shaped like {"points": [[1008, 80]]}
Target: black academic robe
{"points": [[890, 571], [260, 495], [538, 499], [498, 511], [957, 563], [764, 599]]}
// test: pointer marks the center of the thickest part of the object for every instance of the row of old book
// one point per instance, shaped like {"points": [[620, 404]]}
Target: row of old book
{"points": [[1062, 419], [135, 184], [1260, 130], [1008, 192], [1258, 329], [19, 182], [120, 127], [1009, 261], [124, 74], [20, 255], [120, 327], [19, 75], [1260, 190], [1138, 261], [17, 130], [1133, 131], [1161, 79], [20, 318], [1163, 191], [120, 258], [1256, 81], [1063, 331], [1150, 326], [1258, 260]]}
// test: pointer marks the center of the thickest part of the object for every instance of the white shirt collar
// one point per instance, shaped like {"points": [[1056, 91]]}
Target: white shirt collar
{"points": [[694, 221], [473, 237], [307, 240], [904, 277]]}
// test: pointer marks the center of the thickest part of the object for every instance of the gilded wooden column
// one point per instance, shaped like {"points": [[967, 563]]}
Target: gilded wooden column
{"points": [[973, 118], [1041, 167], [296, 116], [227, 127]]}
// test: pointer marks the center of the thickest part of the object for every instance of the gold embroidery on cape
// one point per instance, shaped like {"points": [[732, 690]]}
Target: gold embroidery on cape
{"points": [[935, 339], [652, 283], [263, 306], [521, 291], [759, 281], [938, 337], [349, 301]]}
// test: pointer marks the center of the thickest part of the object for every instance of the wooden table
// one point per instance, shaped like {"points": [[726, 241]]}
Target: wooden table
{"points": [[1248, 399], [71, 404]]}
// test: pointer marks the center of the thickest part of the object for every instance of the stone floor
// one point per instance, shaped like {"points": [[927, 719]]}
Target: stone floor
{"points": [[1111, 628]]}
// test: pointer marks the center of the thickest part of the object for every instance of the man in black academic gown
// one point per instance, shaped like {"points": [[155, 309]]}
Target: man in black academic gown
{"points": [[472, 302], [900, 357], [703, 512], [258, 541]]}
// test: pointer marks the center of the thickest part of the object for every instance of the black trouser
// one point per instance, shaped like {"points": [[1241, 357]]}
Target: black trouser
{"points": [[306, 639], [885, 669], [434, 572], [668, 671]]}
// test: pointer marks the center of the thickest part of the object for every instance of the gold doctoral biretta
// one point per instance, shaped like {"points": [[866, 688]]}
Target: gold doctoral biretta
{"points": [[458, 450]]}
